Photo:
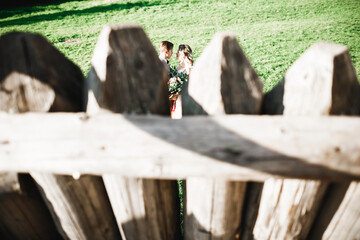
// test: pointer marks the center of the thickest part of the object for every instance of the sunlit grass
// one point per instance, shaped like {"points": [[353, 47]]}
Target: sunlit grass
{"points": [[272, 33]]}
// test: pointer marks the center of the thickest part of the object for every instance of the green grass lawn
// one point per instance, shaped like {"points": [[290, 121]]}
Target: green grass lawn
{"points": [[272, 33]]}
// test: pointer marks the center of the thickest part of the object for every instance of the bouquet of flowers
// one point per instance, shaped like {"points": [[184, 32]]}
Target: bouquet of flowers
{"points": [[176, 80]]}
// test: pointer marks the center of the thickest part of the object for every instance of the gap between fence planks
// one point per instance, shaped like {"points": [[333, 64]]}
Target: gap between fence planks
{"points": [[238, 147]]}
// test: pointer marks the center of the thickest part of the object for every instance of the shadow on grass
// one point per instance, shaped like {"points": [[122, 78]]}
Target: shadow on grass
{"points": [[17, 3], [17, 7], [86, 11]]}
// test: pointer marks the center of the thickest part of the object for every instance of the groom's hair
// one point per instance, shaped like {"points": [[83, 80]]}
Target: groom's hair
{"points": [[166, 45]]}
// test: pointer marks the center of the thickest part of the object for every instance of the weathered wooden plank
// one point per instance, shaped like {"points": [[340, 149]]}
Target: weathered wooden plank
{"points": [[230, 85], [213, 208], [142, 207], [39, 78], [346, 222], [229, 78], [241, 147], [325, 79], [284, 208], [125, 61], [33, 66], [130, 78], [81, 205], [23, 215], [331, 201], [320, 82]]}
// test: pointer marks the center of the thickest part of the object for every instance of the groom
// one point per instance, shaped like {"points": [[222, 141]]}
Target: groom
{"points": [[166, 50]]}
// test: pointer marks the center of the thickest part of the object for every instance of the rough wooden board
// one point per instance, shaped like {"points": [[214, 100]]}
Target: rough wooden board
{"points": [[322, 82], [331, 201], [81, 205], [145, 209], [32, 66], [228, 77], [222, 81], [288, 212], [318, 83], [127, 76], [346, 222], [24, 215], [213, 208], [240, 147]]}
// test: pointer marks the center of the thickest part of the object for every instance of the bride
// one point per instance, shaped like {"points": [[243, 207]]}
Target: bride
{"points": [[185, 62], [185, 58]]}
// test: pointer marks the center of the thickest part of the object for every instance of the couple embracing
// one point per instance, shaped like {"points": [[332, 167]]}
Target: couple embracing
{"points": [[177, 75]]}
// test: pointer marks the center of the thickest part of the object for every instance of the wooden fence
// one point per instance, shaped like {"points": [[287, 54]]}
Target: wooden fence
{"points": [[104, 163]]}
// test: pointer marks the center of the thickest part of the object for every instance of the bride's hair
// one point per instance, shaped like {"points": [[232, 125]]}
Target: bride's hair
{"points": [[186, 50]]}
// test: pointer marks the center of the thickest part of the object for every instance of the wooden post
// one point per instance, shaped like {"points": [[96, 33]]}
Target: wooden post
{"points": [[81, 204], [346, 222], [23, 212], [221, 82], [37, 77], [127, 76], [321, 82]]}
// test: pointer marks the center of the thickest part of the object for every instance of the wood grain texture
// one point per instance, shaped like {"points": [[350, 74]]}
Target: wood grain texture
{"points": [[242, 147], [213, 208], [329, 206], [231, 84], [38, 78], [346, 222], [129, 77], [81, 205], [287, 208], [144, 208], [222, 82], [318, 83], [322, 82], [24, 215]]}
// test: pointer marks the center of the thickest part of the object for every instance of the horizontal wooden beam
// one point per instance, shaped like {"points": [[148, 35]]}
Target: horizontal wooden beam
{"points": [[239, 147]]}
